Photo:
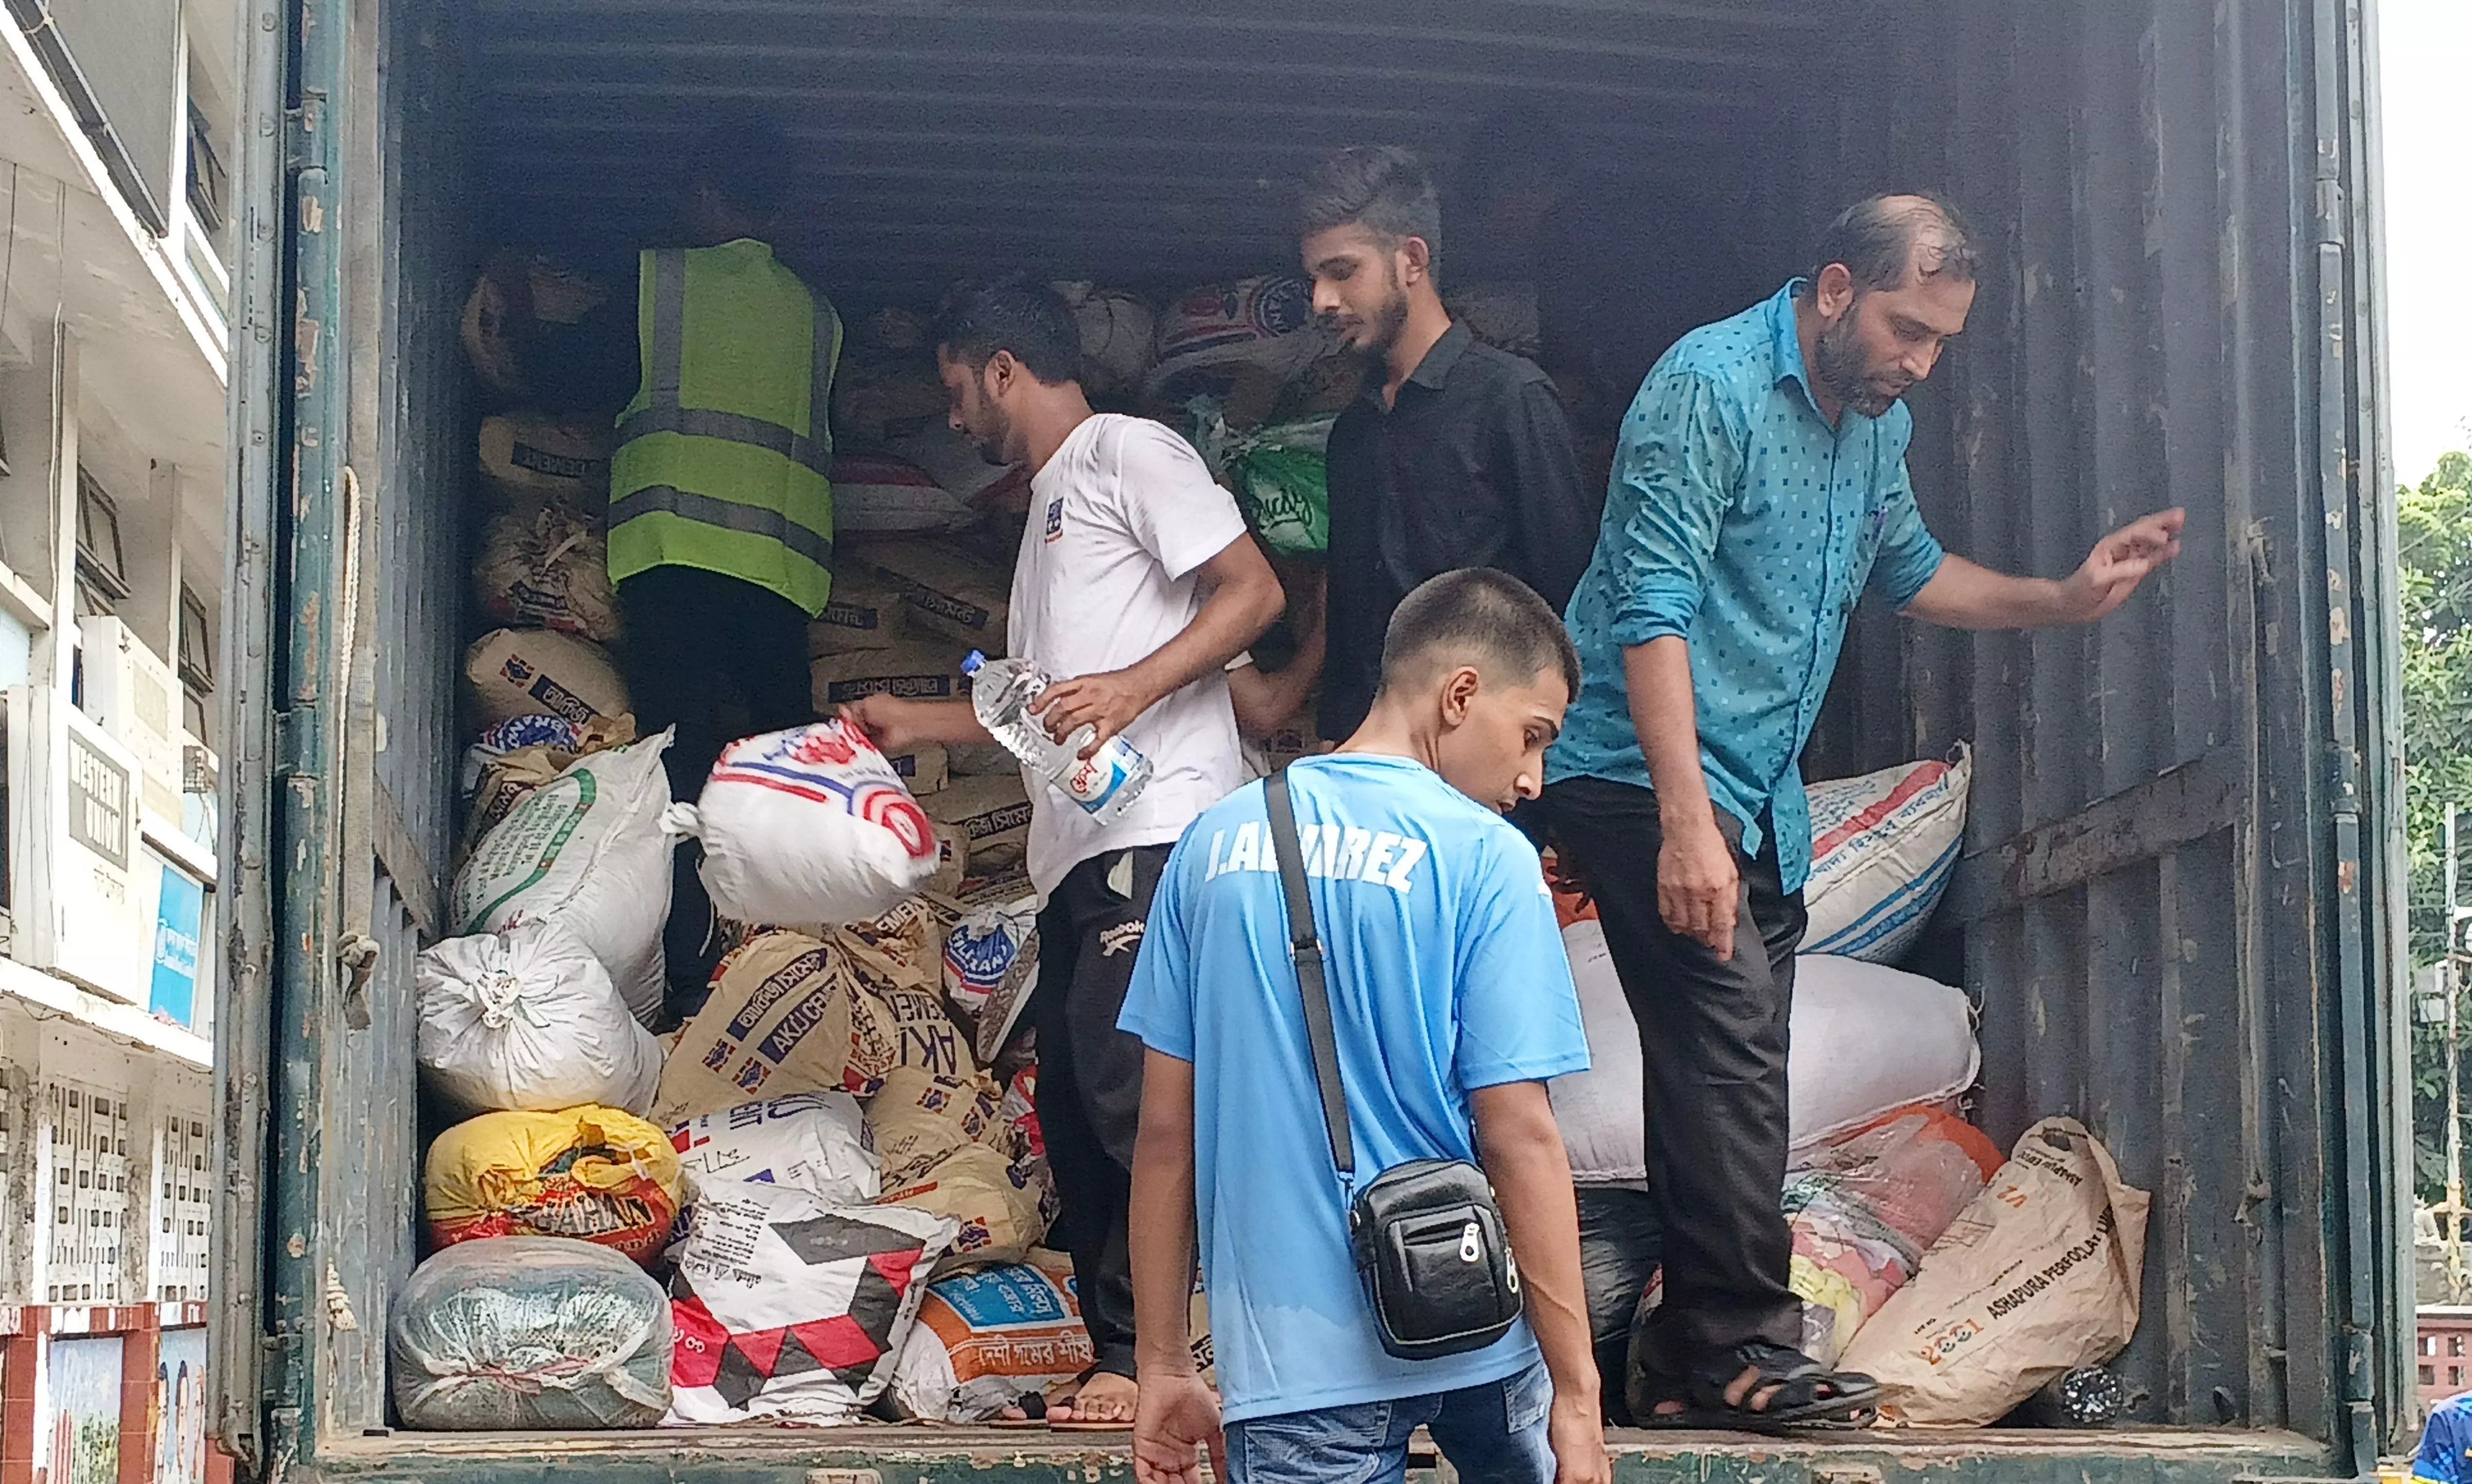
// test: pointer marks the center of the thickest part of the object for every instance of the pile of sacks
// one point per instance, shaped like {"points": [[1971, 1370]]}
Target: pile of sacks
{"points": [[846, 1117], [1963, 1280]]}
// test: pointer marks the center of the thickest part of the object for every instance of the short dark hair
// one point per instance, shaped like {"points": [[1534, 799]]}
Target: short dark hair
{"points": [[979, 318], [1881, 238], [746, 156], [1382, 188], [1477, 615]]}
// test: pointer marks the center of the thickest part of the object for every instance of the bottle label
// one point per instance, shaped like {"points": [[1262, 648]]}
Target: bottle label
{"points": [[1093, 783]]}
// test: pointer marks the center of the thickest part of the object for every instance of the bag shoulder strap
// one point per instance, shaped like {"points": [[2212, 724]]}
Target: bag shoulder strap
{"points": [[1305, 946]]}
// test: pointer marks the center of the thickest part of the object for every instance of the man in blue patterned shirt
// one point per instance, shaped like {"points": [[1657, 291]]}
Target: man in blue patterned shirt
{"points": [[1759, 490]]}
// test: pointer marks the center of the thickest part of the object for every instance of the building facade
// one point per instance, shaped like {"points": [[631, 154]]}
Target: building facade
{"points": [[115, 121]]}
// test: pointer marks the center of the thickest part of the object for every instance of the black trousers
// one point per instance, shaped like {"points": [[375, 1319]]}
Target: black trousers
{"points": [[1712, 1038], [718, 658], [1090, 1079]]}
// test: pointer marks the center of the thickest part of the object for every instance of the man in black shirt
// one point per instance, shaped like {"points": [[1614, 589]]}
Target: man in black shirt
{"points": [[1458, 454]]}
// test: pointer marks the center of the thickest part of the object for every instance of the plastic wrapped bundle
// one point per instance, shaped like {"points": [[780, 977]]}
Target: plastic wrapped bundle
{"points": [[529, 1331]]}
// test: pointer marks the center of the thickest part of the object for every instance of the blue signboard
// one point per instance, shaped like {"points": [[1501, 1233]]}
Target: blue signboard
{"points": [[180, 914]]}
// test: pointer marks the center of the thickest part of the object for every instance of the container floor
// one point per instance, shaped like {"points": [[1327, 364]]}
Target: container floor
{"points": [[918, 1455]]}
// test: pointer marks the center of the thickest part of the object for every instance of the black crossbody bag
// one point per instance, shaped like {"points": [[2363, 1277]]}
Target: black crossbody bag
{"points": [[1428, 1239]]}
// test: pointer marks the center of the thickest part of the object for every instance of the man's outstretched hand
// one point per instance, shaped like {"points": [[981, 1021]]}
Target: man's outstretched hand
{"points": [[2123, 559]]}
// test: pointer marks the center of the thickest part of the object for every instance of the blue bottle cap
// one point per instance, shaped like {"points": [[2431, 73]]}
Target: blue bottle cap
{"points": [[971, 661]]}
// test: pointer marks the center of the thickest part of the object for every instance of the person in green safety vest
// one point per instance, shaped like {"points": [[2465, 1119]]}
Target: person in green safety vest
{"points": [[721, 507]]}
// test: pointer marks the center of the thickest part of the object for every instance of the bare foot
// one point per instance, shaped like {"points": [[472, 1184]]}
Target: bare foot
{"points": [[1104, 1398]]}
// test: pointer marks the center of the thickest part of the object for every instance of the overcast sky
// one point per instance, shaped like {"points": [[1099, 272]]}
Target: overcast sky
{"points": [[2426, 59]]}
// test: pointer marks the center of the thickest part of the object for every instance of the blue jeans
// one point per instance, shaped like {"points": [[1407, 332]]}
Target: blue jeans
{"points": [[1493, 1434]]}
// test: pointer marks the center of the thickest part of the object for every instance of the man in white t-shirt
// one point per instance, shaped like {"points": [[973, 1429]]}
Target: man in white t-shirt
{"points": [[1136, 584]]}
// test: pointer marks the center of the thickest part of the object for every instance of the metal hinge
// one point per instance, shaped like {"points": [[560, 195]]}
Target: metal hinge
{"points": [[296, 743], [2343, 778]]}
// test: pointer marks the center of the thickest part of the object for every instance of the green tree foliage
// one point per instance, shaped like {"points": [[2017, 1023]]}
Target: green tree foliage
{"points": [[2436, 519]]}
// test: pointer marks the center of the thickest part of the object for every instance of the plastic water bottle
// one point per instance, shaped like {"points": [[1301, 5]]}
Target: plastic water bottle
{"points": [[1001, 692]]}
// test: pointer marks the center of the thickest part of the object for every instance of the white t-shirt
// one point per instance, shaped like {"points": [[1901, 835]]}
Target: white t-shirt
{"points": [[1119, 520]]}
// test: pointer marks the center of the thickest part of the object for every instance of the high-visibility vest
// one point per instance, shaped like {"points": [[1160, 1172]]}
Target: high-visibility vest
{"points": [[724, 456]]}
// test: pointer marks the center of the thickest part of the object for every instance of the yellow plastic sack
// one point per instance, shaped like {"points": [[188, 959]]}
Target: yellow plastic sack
{"points": [[590, 1172]]}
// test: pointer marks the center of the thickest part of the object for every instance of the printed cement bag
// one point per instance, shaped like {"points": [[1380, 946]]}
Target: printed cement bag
{"points": [[1862, 1039], [913, 670], [923, 770], [777, 1022], [1265, 324], [811, 1141], [986, 1337], [1868, 1038], [588, 851], [529, 1333], [790, 1013], [860, 614], [529, 456], [915, 1115], [1865, 1208], [517, 672], [520, 755], [1883, 847], [992, 814], [877, 493], [2039, 1274], [987, 955], [790, 1308], [810, 825], [546, 568], [527, 1019], [1001, 1207], [596, 1173], [950, 594]]}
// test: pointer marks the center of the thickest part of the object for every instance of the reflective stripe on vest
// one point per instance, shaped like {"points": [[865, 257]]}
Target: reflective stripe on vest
{"points": [[728, 514], [666, 411], [726, 488]]}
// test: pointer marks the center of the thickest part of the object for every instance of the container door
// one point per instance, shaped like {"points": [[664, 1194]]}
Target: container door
{"points": [[237, 1319]]}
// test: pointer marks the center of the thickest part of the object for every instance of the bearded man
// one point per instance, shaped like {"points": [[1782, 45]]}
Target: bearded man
{"points": [[1758, 491], [1457, 454]]}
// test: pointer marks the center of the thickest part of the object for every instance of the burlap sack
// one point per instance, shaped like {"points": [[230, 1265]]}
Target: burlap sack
{"points": [[2038, 1275]]}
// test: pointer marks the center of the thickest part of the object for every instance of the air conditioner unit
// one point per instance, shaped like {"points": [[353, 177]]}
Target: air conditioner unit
{"points": [[81, 886], [133, 695]]}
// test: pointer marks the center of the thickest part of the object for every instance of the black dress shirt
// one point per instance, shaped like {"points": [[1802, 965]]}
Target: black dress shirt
{"points": [[1471, 467]]}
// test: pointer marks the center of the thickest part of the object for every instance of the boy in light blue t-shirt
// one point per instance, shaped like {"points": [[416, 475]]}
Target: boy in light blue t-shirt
{"points": [[1452, 1004]]}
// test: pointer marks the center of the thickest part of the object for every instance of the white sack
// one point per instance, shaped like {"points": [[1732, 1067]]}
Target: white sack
{"points": [[810, 825], [1865, 1039], [526, 1020], [587, 850], [767, 1278], [811, 1141]]}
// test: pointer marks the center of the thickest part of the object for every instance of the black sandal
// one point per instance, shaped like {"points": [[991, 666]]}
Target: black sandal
{"points": [[1808, 1395]]}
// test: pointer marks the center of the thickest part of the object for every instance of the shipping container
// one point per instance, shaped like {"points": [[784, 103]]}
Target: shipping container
{"points": [[2179, 905]]}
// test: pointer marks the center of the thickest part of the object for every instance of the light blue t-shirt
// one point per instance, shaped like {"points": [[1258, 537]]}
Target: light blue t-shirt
{"points": [[1446, 973]]}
